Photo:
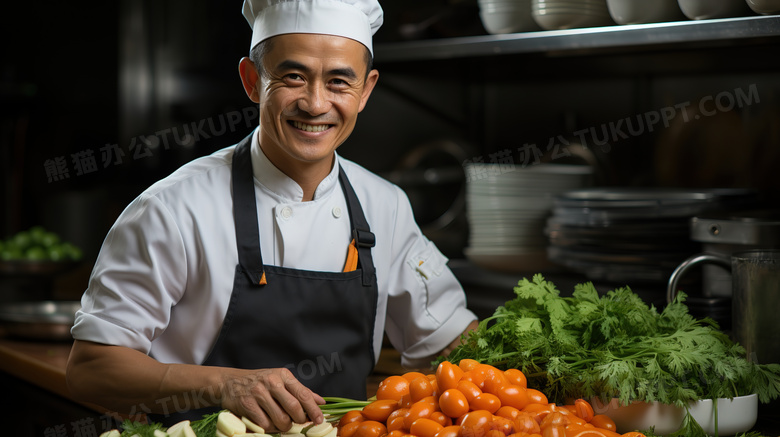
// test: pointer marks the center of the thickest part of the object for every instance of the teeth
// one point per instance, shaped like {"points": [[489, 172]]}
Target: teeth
{"points": [[309, 127]]}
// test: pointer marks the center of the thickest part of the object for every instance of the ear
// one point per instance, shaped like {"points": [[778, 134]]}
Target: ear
{"points": [[249, 77], [371, 80]]}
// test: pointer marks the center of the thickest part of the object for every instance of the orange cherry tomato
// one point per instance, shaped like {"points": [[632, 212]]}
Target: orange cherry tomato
{"points": [[395, 433], [538, 411], [418, 410], [583, 410], [443, 419], [411, 376], [447, 376], [494, 379], [556, 418], [486, 401], [370, 428], [516, 377], [419, 388], [453, 403], [525, 422], [507, 411], [449, 431], [603, 422], [475, 423], [425, 428], [495, 433], [476, 375], [380, 409], [554, 431], [351, 416], [502, 424], [584, 433], [632, 434], [513, 396], [469, 389], [348, 429], [467, 364], [396, 424], [536, 397], [406, 401], [393, 387]]}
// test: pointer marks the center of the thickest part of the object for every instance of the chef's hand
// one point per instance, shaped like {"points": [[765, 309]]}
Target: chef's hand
{"points": [[271, 398]]}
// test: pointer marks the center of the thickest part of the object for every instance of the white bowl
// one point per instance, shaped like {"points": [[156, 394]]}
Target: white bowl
{"points": [[644, 11], [734, 415], [706, 9], [570, 20], [498, 18], [766, 7]]}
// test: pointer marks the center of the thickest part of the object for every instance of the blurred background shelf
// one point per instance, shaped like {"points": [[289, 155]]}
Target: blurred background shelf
{"points": [[677, 34]]}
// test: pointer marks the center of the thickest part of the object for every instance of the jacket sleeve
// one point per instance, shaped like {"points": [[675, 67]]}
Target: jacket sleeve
{"points": [[426, 308]]}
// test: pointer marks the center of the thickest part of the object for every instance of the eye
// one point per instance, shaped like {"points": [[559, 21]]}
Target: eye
{"points": [[293, 78]]}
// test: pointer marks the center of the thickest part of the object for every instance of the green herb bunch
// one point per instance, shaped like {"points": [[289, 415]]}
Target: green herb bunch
{"points": [[614, 346]]}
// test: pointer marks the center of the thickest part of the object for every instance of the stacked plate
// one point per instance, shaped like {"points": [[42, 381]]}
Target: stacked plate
{"points": [[631, 235], [506, 16], [570, 14], [507, 207]]}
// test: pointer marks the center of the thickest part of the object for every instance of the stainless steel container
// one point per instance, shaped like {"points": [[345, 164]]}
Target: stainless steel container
{"points": [[755, 303], [728, 234], [755, 289]]}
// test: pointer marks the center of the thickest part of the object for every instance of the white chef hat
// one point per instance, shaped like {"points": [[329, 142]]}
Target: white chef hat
{"points": [[354, 19]]}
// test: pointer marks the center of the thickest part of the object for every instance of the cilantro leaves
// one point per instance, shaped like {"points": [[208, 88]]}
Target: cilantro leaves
{"points": [[614, 346]]}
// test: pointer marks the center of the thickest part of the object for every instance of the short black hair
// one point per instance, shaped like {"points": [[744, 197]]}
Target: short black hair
{"points": [[262, 48]]}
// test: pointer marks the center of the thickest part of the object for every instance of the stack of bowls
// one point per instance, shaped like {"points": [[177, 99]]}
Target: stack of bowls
{"points": [[765, 7], [507, 207], [644, 11], [506, 16], [570, 14], [707, 9]]}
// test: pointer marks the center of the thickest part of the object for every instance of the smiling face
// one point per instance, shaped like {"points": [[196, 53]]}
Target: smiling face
{"points": [[313, 88]]}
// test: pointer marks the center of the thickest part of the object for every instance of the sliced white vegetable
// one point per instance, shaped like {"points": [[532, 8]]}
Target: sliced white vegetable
{"points": [[112, 433], [292, 434], [229, 424], [296, 428], [220, 434], [253, 434], [319, 430], [159, 433], [181, 429], [252, 426], [332, 432]]}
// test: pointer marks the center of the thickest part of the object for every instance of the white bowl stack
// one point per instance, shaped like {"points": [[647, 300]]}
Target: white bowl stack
{"points": [[644, 11], [765, 7], [570, 14], [707, 9], [507, 207], [506, 16]]}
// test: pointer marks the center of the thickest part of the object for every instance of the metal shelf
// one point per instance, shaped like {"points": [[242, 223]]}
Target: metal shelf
{"points": [[678, 34]]}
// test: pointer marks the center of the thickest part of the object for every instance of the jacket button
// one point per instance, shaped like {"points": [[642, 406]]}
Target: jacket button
{"points": [[336, 212], [287, 212]]}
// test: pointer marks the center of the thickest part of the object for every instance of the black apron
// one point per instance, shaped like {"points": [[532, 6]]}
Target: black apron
{"points": [[320, 325]]}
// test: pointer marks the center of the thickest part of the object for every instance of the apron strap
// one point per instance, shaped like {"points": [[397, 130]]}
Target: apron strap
{"points": [[361, 232], [245, 212]]}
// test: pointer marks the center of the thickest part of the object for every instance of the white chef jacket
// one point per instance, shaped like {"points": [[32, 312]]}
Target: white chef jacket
{"points": [[163, 278]]}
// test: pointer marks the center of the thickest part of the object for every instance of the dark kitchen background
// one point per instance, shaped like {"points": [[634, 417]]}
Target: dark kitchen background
{"points": [[101, 99]]}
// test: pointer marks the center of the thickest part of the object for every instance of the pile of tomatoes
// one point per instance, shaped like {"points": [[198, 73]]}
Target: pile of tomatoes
{"points": [[471, 400]]}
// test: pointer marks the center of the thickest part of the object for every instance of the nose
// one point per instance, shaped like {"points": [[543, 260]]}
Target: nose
{"points": [[314, 100]]}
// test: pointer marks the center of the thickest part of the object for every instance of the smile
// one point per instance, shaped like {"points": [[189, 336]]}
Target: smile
{"points": [[310, 127]]}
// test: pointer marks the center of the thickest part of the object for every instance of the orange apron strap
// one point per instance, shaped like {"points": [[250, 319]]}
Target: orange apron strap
{"points": [[352, 257], [262, 279]]}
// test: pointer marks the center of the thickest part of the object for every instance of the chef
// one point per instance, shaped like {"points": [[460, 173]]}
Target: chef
{"points": [[265, 276]]}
